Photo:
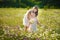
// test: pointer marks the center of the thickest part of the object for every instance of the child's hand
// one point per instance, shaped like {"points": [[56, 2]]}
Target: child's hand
{"points": [[42, 26], [31, 21]]}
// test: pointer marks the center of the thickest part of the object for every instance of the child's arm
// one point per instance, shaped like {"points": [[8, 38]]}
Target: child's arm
{"points": [[38, 23]]}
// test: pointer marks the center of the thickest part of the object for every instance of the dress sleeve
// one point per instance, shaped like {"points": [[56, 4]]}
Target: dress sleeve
{"points": [[25, 21]]}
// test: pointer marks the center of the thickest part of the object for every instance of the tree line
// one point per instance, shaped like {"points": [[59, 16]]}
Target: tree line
{"points": [[30, 3]]}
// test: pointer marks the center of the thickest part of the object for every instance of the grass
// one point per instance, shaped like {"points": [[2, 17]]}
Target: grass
{"points": [[11, 23]]}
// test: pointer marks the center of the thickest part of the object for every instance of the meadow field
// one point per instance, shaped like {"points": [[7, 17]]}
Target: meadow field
{"points": [[11, 24]]}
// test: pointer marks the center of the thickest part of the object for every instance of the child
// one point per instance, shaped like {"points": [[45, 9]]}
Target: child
{"points": [[33, 22], [27, 17]]}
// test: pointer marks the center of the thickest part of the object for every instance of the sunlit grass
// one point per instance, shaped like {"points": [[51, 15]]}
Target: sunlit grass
{"points": [[11, 20]]}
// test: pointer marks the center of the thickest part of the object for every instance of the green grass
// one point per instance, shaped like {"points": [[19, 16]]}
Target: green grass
{"points": [[11, 18]]}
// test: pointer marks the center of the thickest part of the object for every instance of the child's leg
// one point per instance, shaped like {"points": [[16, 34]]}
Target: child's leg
{"points": [[26, 27]]}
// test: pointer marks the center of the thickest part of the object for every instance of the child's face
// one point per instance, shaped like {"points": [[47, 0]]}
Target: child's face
{"points": [[33, 14], [35, 10]]}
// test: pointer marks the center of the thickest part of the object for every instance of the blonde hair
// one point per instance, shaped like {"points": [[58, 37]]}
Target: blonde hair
{"points": [[30, 10], [35, 7], [28, 13]]}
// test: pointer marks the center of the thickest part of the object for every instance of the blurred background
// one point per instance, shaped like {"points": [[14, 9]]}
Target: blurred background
{"points": [[29, 3], [11, 19]]}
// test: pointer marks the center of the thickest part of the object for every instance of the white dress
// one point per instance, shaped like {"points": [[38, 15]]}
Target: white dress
{"points": [[33, 26], [25, 21]]}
